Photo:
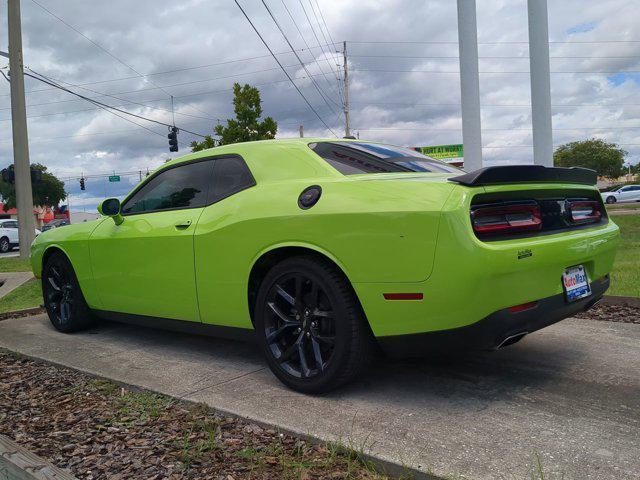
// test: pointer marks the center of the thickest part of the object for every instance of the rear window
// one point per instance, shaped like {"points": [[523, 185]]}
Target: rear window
{"points": [[351, 158]]}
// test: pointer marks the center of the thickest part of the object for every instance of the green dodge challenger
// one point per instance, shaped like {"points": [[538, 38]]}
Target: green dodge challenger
{"points": [[325, 251]]}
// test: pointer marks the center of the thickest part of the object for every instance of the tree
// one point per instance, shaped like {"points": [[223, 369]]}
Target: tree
{"points": [[605, 158], [246, 127], [48, 191]]}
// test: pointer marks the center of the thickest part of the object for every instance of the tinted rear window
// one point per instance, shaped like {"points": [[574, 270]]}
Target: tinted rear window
{"points": [[351, 158]]}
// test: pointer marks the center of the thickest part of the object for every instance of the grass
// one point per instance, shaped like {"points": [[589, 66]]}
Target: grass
{"points": [[625, 278], [624, 206], [28, 295], [14, 264]]}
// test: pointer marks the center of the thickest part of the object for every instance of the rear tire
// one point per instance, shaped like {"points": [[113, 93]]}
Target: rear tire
{"points": [[5, 246], [63, 299], [310, 325], [611, 200]]}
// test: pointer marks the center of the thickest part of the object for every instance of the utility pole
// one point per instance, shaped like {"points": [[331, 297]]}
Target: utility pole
{"points": [[24, 195], [469, 84], [347, 129], [301, 131], [540, 83]]}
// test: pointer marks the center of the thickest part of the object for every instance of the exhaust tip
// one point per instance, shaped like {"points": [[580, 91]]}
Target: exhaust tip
{"points": [[511, 339]]}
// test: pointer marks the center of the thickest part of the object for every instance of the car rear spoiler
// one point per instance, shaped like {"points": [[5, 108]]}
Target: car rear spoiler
{"points": [[526, 174]]}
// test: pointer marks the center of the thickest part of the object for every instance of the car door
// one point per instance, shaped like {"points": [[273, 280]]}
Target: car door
{"points": [[625, 194], [11, 231], [635, 193], [145, 265]]}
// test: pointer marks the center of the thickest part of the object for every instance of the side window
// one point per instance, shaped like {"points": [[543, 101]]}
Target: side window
{"points": [[12, 224], [185, 186], [230, 175]]}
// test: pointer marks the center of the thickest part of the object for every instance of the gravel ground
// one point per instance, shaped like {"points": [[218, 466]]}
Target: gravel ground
{"points": [[612, 313], [98, 430]]}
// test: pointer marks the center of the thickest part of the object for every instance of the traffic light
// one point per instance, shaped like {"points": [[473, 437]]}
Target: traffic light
{"points": [[82, 183], [8, 175], [173, 139]]}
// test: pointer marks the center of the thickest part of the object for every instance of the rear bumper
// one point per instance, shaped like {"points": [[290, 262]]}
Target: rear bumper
{"points": [[497, 329]]}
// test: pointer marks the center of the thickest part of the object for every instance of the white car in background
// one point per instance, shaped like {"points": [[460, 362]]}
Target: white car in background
{"points": [[9, 234], [628, 193]]}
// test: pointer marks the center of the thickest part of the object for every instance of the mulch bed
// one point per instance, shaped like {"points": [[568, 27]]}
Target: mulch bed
{"points": [[98, 430], [613, 313], [22, 313]]}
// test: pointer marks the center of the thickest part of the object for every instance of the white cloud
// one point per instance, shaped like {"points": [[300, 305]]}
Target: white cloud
{"points": [[408, 103]]}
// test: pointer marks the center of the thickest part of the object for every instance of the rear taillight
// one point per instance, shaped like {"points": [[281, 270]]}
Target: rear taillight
{"points": [[506, 218], [583, 211]]}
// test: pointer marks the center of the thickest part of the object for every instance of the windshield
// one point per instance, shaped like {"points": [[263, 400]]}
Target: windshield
{"points": [[351, 158]]}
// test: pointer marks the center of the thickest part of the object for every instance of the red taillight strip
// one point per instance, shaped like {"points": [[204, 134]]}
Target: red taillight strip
{"points": [[403, 296], [497, 219], [522, 307], [592, 216]]}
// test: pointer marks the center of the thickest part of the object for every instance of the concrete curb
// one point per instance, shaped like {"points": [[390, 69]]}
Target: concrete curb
{"points": [[619, 300], [18, 463], [9, 281], [22, 313], [385, 467]]}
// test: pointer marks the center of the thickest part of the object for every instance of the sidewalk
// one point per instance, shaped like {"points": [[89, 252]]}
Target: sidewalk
{"points": [[568, 395]]}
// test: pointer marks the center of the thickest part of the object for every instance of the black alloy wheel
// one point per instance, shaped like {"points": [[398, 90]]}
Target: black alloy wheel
{"points": [[62, 296], [310, 325], [300, 325], [611, 199]]}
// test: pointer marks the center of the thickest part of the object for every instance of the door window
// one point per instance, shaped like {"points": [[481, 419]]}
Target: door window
{"points": [[184, 186]]}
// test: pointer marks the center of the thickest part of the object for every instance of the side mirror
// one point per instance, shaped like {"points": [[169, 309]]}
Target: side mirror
{"points": [[111, 208]]}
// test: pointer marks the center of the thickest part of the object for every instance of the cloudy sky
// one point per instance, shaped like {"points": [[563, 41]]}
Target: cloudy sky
{"points": [[402, 59]]}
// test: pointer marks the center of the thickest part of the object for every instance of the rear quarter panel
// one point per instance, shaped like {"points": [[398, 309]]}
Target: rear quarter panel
{"points": [[369, 228]]}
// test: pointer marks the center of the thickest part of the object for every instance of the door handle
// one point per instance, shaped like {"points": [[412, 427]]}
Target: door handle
{"points": [[182, 225]]}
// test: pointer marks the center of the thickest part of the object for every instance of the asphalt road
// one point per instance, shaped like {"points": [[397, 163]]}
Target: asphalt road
{"points": [[568, 396]]}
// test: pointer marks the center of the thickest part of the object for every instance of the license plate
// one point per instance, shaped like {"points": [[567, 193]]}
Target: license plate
{"points": [[576, 283]]}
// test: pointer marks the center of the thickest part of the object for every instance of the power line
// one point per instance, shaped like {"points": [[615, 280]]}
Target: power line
{"points": [[437, 42], [307, 45], [161, 99], [313, 30], [315, 84], [104, 49], [452, 72], [331, 42], [513, 57], [568, 105], [177, 70], [105, 106], [283, 69]]}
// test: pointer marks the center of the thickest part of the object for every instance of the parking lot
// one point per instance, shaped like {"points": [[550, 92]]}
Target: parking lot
{"points": [[568, 396]]}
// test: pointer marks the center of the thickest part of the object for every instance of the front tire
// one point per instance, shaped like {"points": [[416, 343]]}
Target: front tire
{"points": [[611, 200], [63, 299], [310, 325]]}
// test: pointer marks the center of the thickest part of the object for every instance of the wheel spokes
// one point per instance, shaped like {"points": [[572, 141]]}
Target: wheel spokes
{"points": [[317, 354], [300, 325], [53, 284], [275, 335], [285, 295], [280, 314], [65, 311], [329, 341], [303, 358]]}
